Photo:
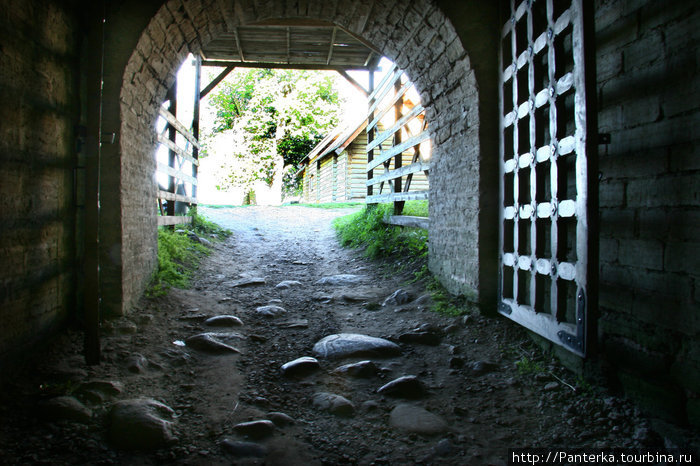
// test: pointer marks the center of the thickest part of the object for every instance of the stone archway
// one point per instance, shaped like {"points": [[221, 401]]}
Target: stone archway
{"points": [[414, 34]]}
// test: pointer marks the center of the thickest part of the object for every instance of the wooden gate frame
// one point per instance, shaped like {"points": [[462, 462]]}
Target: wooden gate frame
{"points": [[537, 212]]}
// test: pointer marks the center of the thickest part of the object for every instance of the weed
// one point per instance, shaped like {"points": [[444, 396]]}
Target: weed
{"points": [[179, 254], [527, 366]]}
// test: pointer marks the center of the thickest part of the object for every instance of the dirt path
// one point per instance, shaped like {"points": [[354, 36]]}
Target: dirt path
{"points": [[480, 402]]}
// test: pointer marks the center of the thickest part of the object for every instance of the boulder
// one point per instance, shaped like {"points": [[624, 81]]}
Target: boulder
{"points": [[344, 345]]}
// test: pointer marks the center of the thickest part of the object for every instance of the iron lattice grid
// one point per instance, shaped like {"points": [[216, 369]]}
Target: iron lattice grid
{"points": [[543, 240]]}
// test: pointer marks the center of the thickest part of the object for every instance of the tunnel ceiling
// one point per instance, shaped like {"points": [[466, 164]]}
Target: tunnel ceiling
{"points": [[311, 45]]}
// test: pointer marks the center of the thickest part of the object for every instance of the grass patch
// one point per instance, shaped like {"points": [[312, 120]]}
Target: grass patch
{"points": [[416, 208], [366, 229], [179, 253]]}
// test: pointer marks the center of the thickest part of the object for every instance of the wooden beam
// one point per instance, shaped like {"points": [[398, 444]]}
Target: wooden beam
{"points": [[173, 220], [380, 198], [176, 197], [354, 83], [289, 43], [408, 221], [387, 154], [396, 97], [179, 126], [238, 44], [175, 173], [384, 135], [215, 82], [330, 48], [195, 116], [287, 66], [174, 147], [403, 171]]}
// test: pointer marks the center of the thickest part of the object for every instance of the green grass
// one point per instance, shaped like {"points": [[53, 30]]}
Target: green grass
{"points": [[416, 208], [366, 229], [179, 254]]}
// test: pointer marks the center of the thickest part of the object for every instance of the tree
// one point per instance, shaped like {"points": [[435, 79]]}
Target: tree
{"points": [[270, 120]]}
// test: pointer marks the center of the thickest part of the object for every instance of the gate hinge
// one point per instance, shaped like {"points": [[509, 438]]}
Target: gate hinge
{"points": [[577, 343]]}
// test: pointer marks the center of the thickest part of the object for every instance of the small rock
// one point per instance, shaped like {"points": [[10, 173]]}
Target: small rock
{"points": [[362, 369], [286, 284], [300, 323], [107, 387], [137, 363], [280, 419], [257, 430], [467, 319], [370, 405], [244, 449], [345, 345], [341, 279], [483, 367], [248, 281], [204, 242], [423, 299], [223, 321], [210, 343], [334, 404], [551, 386], [397, 298], [127, 328], [140, 424], [416, 420], [443, 448], [355, 298], [407, 386], [270, 311], [65, 408], [300, 367]]}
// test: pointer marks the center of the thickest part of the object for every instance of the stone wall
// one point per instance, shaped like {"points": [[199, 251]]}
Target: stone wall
{"points": [[39, 81], [648, 93], [415, 34]]}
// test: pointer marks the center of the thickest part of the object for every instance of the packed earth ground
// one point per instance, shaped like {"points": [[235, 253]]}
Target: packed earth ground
{"points": [[466, 389]]}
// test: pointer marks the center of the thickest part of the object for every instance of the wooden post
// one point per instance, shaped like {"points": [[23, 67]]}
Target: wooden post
{"points": [[398, 159], [195, 115], [172, 135], [91, 266], [370, 134]]}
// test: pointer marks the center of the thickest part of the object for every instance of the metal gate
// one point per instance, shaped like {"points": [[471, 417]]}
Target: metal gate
{"points": [[545, 173]]}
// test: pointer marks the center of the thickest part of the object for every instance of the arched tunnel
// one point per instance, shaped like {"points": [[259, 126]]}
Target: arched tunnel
{"points": [[563, 180]]}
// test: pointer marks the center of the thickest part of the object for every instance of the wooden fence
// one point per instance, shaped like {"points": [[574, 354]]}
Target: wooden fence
{"points": [[178, 180], [390, 94]]}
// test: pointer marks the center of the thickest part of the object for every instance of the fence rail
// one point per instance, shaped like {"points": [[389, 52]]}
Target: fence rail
{"points": [[397, 148], [178, 180]]}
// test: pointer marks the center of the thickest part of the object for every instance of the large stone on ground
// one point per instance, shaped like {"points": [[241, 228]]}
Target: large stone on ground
{"points": [[140, 424], [247, 281], [417, 420], [362, 369], [397, 298], [244, 449], [334, 404], [280, 419], [97, 391], [341, 279], [257, 430], [407, 386], [344, 345], [223, 321], [287, 284], [300, 367], [212, 343], [270, 311], [65, 408]]}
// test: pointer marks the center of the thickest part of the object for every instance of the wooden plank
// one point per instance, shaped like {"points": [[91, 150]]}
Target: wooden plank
{"points": [[178, 126], [175, 173], [285, 66], [376, 97], [391, 197], [384, 135], [173, 220], [403, 171], [174, 147], [330, 48], [407, 144], [398, 95], [220, 77], [390, 77], [176, 197], [408, 221]]}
